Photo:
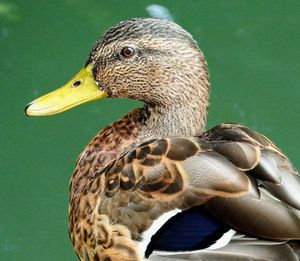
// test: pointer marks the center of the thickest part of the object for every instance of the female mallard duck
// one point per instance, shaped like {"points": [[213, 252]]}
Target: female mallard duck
{"points": [[154, 183]]}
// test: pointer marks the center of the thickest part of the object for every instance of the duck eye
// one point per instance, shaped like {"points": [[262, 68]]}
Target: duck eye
{"points": [[127, 52]]}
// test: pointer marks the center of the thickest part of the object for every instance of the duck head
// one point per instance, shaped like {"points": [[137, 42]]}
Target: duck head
{"points": [[151, 60]]}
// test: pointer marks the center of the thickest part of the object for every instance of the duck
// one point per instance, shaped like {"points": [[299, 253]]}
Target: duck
{"points": [[155, 184]]}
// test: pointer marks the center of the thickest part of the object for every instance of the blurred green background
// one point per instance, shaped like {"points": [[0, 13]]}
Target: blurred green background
{"points": [[252, 48]]}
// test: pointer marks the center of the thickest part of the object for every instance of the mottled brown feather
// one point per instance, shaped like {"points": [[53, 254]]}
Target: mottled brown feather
{"points": [[158, 158]]}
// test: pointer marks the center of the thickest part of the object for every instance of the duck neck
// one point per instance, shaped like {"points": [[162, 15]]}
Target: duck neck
{"points": [[183, 109], [181, 119]]}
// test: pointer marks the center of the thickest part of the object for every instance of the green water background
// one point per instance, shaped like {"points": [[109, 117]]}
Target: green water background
{"points": [[252, 48]]}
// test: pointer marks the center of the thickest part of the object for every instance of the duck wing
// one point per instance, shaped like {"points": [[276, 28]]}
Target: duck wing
{"points": [[238, 175], [270, 209], [240, 248], [169, 169]]}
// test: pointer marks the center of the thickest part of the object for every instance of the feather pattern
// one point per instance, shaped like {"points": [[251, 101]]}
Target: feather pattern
{"points": [[158, 164], [157, 159], [239, 249], [183, 172], [189, 230]]}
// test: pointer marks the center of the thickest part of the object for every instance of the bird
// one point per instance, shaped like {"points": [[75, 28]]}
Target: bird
{"points": [[155, 184]]}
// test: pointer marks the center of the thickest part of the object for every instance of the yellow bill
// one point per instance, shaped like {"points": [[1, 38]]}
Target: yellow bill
{"points": [[80, 89]]}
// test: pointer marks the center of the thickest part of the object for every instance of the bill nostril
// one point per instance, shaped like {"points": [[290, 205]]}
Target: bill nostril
{"points": [[77, 83]]}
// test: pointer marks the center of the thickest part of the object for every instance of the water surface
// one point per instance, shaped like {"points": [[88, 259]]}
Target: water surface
{"points": [[252, 48]]}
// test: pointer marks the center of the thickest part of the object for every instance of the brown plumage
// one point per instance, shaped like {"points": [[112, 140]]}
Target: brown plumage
{"points": [[158, 158]]}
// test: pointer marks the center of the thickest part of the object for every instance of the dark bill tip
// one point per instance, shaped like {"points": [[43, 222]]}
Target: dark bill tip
{"points": [[27, 106]]}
